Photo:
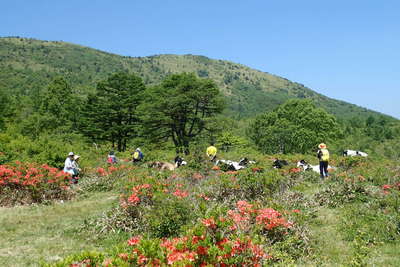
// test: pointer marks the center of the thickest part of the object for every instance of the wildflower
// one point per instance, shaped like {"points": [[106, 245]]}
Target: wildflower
{"points": [[107, 262], [203, 196], [134, 199], [142, 259], [123, 256], [215, 168], [210, 223], [180, 194], [175, 256], [271, 218], [101, 172], [244, 207], [386, 186], [202, 250], [220, 244], [134, 241]]}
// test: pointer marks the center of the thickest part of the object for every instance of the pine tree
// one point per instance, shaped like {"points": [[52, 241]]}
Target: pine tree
{"points": [[110, 113], [179, 109]]}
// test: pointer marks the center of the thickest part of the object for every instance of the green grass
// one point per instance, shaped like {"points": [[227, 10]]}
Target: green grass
{"points": [[332, 249], [386, 255], [34, 233]]}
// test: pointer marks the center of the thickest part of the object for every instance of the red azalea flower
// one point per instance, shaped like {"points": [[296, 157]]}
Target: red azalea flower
{"points": [[134, 241], [180, 194], [210, 223], [202, 250], [134, 199], [386, 186]]}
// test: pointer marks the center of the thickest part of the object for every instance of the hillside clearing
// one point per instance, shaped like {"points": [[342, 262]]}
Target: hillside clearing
{"points": [[33, 233]]}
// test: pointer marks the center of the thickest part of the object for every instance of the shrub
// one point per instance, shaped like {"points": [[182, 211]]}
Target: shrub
{"points": [[168, 217], [339, 193], [237, 237], [32, 183]]}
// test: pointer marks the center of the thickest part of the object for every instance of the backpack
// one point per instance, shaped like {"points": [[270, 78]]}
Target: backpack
{"points": [[137, 155], [323, 154]]}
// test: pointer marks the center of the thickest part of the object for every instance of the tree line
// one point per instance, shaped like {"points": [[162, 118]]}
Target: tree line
{"points": [[121, 108], [181, 109]]}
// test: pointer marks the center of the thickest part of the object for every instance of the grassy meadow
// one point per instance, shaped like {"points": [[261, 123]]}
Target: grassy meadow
{"points": [[349, 219]]}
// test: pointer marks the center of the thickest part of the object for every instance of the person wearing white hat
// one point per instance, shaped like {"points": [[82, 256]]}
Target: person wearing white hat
{"points": [[68, 164]]}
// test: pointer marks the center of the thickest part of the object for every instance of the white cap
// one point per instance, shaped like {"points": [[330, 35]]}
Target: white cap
{"points": [[70, 153]]}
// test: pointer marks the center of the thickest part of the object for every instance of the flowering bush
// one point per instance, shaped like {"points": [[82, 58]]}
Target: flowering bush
{"points": [[238, 238], [105, 178], [24, 183]]}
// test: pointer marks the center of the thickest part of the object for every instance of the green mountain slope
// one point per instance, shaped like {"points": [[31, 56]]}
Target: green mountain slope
{"points": [[27, 66]]}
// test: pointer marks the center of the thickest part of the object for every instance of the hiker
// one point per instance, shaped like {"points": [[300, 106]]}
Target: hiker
{"points": [[211, 152], [323, 156], [68, 164], [111, 158], [76, 169], [137, 155]]}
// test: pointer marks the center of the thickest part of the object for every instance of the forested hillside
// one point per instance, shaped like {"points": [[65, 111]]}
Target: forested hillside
{"points": [[27, 66]]}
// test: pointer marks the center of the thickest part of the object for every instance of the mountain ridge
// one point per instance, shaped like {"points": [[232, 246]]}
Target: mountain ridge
{"points": [[28, 65]]}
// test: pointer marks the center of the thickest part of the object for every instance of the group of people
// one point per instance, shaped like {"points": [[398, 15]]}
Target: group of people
{"points": [[71, 164], [137, 156], [322, 154]]}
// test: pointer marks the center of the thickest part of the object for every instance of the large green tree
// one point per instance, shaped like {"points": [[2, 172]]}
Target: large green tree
{"points": [[55, 110], [59, 106], [179, 109], [110, 113], [294, 127]]}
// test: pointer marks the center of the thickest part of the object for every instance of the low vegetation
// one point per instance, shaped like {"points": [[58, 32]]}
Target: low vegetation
{"points": [[256, 216]]}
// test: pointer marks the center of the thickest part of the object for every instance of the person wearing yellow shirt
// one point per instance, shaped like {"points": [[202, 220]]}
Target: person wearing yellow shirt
{"points": [[323, 156], [211, 152]]}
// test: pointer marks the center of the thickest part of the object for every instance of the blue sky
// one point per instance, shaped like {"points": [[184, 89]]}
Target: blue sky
{"points": [[345, 49]]}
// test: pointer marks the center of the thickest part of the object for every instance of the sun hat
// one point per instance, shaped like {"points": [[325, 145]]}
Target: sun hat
{"points": [[76, 157], [322, 145], [70, 153]]}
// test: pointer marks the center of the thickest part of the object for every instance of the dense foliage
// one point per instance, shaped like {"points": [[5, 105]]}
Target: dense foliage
{"points": [[179, 109], [110, 113], [294, 127]]}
